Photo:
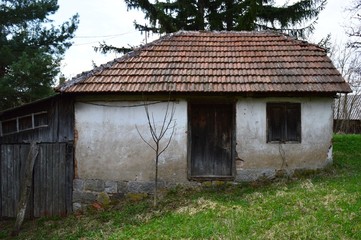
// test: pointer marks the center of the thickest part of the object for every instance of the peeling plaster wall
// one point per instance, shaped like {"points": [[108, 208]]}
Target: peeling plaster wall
{"points": [[262, 158], [109, 147]]}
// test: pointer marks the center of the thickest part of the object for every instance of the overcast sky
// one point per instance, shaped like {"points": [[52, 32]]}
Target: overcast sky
{"points": [[109, 21]]}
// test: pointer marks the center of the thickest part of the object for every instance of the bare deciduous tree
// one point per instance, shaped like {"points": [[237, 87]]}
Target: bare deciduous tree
{"points": [[354, 28], [348, 62], [159, 141]]}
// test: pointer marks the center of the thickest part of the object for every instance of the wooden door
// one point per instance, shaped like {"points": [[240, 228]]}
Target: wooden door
{"points": [[51, 193], [211, 138]]}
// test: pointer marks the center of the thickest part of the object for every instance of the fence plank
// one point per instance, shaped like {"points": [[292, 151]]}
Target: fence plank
{"points": [[62, 181], [69, 176], [40, 187], [49, 181], [56, 183], [3, 178], [16, 161], [37, 181], [11, 197], [8, 205]]}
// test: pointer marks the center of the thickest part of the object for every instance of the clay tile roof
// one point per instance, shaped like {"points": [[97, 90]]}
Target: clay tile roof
{"points": [[216, 62]]}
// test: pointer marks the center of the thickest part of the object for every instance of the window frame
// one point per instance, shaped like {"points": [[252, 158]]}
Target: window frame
{"points": [[289, 111], [19, 128]]}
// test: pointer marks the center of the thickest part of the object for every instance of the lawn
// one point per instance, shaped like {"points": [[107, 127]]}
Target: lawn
{"points": [[313, 205]]}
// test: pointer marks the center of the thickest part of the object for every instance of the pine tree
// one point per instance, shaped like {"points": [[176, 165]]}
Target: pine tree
{"points": [[167, 16], [31, 49]]}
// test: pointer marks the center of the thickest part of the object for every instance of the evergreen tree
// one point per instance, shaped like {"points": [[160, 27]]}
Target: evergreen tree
{"points": [[172, 15], [30, 49]]}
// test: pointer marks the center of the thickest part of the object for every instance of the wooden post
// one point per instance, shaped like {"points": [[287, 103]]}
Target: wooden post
{"points": [[26, 187]]}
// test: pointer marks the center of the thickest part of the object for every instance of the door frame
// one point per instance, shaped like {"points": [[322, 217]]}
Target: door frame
{"points": [[233, 139]]}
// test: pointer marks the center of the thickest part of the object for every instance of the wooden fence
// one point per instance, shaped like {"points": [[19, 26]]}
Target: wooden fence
{"points": [[52, 179]]}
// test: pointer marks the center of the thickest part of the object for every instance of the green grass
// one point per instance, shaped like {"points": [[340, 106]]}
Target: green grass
{"points": [[322, 205]]}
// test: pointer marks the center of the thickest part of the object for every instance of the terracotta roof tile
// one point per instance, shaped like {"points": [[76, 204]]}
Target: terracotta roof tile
{"points": [[216, 62]]}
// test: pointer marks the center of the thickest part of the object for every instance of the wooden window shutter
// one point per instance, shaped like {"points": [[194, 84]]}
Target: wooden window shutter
{"points": [[283, 122], [293, 122], [275, 122]]}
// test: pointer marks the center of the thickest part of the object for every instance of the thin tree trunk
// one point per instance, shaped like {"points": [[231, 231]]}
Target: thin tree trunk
{"points": [[156, 178], [157, 136]]}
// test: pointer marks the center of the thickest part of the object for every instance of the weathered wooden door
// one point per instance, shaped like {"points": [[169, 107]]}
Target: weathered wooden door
{"points": [[52, 179], [211, 138]]}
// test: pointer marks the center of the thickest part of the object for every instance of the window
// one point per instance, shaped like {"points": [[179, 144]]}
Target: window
{"points": [[283, 122], [41, 119], [9, 126], [23, 123]]}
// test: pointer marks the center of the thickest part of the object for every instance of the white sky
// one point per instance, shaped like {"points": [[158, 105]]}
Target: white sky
{"points": [[109, 21]]}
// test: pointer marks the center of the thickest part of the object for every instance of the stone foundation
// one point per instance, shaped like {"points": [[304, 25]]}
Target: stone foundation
{"points": [[87, 191], [249, 175]]}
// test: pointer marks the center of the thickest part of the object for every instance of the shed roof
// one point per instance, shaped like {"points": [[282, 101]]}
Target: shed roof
{"points": [[238, 62]]}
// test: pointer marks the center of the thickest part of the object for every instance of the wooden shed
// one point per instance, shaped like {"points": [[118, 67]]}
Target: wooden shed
{"points": [[48, 122]]}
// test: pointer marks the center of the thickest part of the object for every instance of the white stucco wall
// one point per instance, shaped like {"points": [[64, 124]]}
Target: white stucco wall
{"points": [[109, 147], [260, 157]]}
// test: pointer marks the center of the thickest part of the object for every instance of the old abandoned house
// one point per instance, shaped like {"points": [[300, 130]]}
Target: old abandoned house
{"points": [[247, 105]]}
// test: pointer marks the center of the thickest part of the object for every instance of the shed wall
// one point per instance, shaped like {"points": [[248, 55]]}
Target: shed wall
{"points": [[51, 191], [258, 158], [109, 147], [60, 117]]}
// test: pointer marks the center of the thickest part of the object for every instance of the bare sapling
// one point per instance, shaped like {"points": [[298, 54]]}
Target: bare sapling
{"points": [[160, 140]]}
